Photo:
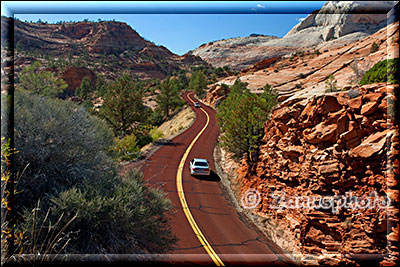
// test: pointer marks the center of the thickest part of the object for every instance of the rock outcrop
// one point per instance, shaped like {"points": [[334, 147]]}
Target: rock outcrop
{"points": [[337, 23], [336, 144], [106, 47], [339, 18], [73, 77], [304, 73]]}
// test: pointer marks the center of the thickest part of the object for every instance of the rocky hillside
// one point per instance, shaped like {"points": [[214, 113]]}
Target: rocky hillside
{"points": [[329, 146], [336, 24], [335, 145], [242, 52], [304, 73], [105, 47]]}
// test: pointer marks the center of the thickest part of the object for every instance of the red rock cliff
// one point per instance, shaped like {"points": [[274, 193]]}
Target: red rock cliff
{"points": [[330, 145]]}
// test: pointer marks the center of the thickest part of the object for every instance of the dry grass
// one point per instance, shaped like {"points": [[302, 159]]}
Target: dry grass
{"points": [[178, 123]]}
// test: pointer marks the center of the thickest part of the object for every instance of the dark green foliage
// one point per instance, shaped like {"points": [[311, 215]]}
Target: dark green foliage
{"points": [[374, 48], [183, 81], [241, 117], [60, 145], [225, 89], [198, 83], [129, 218], [384, 71], [85, 89], [32, 79], [270, 95], [169, 97], [62, 161], [123, 105]]}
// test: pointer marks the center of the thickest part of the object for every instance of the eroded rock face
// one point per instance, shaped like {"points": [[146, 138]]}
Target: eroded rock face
{"points": [[339, 18], [337, 23], [330, 145], [73, 77], [107, 47], [304, 75]]}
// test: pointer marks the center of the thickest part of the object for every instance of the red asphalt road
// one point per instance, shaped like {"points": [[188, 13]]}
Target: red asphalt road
{"points": [[235, 241]]}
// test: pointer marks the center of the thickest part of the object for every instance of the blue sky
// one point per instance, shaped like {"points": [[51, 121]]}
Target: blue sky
{"points": [[179, 26]]}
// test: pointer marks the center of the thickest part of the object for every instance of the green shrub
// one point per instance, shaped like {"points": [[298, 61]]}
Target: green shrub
{"points": [[241, 118], [85, 207], [374, 48], [384, 71], [59, 144], [35, 80], [156, 134], [127, 148], [128, 218]]}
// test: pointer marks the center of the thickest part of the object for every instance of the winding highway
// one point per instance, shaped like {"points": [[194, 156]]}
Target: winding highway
{"points": [[208, 228]]}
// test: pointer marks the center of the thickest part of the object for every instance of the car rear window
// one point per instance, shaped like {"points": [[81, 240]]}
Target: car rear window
{"points": [[203, 164]]}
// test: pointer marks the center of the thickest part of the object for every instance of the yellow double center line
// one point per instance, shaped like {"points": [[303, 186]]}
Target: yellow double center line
{"points": [[185, 207]]}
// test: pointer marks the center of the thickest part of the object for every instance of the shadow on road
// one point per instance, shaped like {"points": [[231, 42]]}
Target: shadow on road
{"points": [[163, 142], [213, 177]]}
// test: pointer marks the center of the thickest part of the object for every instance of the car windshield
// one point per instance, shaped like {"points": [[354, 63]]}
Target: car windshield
{"points": [[202, 164]]}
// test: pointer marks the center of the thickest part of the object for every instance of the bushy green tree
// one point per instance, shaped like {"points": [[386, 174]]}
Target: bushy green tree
{"points": [[183, 81], [101, 85], [384, 71], [123, 106], [85, 88], [198, 83], [169, 97], [241, 117], [37, 81]]}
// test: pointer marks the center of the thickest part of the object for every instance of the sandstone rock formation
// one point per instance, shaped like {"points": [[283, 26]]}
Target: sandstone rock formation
{"points": [[339, 18], [304, 74], [337, 23], [107, 47], [73, 77], [330, 145]]}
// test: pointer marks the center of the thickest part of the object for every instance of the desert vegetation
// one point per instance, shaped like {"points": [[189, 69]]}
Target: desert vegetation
{"points": [[384, 71], [241, 118], [69, 197]]}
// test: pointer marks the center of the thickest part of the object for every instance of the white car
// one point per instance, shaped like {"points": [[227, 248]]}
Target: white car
{"points": [[196, 104], [199, 167]]}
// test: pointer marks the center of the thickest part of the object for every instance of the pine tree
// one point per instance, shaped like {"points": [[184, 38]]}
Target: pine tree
{"points": [[101, 85], [32, 79], [241, 117], [169, 97], [198, 83], [123, 106], [85, 89]]}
